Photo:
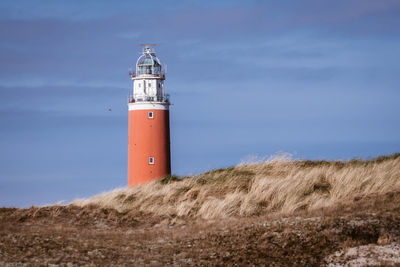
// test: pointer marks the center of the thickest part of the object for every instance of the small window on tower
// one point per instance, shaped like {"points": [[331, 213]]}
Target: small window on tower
{"points": [[140, 84], [151, 160], [149, 85], [151, 115]]}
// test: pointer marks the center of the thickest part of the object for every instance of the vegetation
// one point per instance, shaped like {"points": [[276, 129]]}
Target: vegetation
{"points": [[279, 185], [278, 212]]}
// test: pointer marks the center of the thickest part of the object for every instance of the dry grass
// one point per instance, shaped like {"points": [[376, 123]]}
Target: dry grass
{"points": [[278, 185]]}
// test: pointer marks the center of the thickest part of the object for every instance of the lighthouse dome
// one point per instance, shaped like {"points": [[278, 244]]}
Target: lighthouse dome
{"points": [[148, 64]]}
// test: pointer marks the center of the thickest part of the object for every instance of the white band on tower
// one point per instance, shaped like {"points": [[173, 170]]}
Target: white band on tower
{"points": [[148, 105]]}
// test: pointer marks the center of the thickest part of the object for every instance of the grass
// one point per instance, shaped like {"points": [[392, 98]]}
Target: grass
{"points": [[277, 185]]}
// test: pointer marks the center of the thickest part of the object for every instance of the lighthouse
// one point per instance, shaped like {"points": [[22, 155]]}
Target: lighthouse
{"points": [[149, 154]]}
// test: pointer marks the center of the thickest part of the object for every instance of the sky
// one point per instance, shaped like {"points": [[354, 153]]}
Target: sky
{"points": [[317, 79]]}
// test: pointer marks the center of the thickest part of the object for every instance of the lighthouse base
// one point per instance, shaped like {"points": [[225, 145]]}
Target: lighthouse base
{"points": [[148, 142]]}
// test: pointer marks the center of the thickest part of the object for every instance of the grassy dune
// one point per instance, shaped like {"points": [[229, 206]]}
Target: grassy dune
{"points": [[278, 212], [276, 186]]}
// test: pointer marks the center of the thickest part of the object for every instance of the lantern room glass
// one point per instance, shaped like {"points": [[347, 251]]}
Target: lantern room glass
{"points": [[148, 65]]}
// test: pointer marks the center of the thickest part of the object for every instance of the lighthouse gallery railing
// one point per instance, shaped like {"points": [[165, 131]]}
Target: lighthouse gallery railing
{"points": [[141, 98]]}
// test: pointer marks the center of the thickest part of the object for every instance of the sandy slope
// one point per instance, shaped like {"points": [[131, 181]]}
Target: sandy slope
{"points": [[279, 185], [74, 236], [361, 228]]}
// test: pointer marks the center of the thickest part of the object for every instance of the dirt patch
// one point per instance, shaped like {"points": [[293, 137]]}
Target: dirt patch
{"points": [[369, 255]]}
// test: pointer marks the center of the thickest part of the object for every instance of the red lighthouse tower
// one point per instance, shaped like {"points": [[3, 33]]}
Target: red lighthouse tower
{"points": [[148, 139]]}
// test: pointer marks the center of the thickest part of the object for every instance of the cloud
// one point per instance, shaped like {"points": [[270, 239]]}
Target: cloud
{"points": [[99, 49]]}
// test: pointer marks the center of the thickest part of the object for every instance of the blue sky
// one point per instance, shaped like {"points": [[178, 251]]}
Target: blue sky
{"points": [[318, 79]]}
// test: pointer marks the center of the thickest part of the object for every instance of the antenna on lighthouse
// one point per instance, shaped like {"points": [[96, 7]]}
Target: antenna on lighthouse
{"points": [[147, 47]]}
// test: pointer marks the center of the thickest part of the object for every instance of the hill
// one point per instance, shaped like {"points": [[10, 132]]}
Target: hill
{"points": [[277, 212], [278, 185]]}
